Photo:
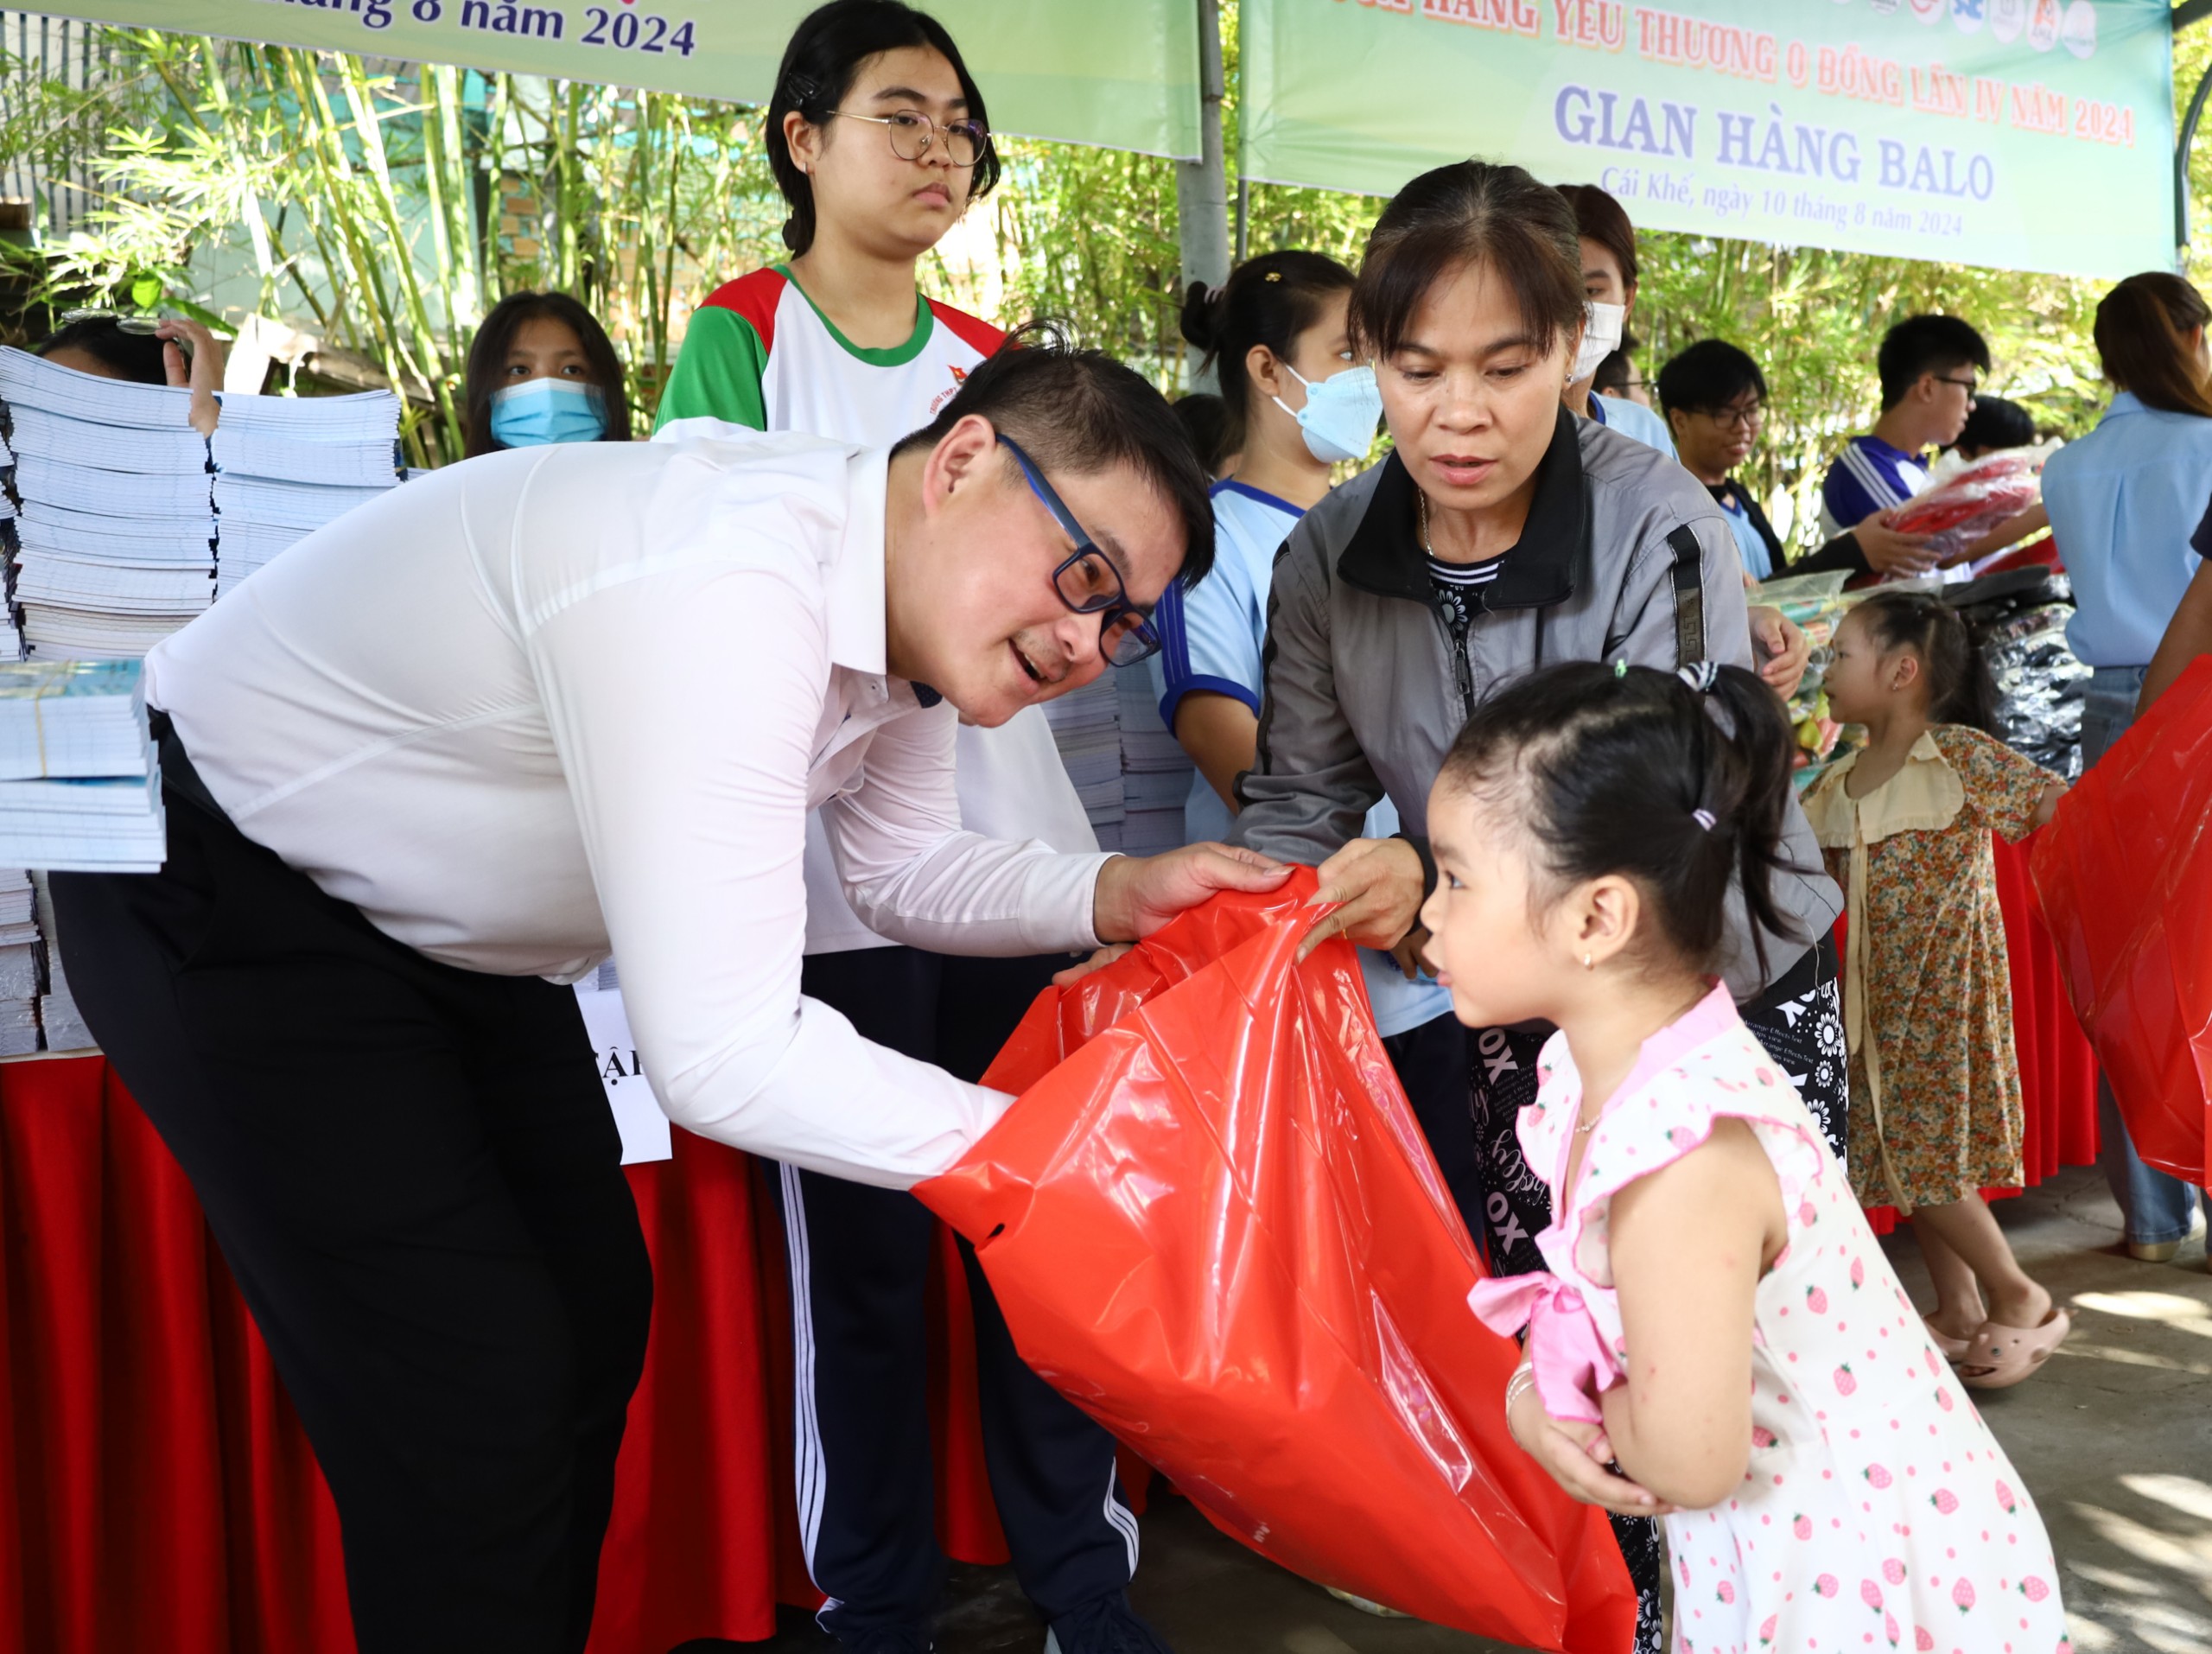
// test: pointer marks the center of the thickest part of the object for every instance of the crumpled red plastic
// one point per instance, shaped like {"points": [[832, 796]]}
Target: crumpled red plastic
{"points": [[1212, 1222], [2124, 873]]}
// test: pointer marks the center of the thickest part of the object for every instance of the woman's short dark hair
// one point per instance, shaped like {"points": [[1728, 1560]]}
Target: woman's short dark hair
{"points": [[1472, 211], [1632, 772], [487, 364], [2142, 331], [1959, 687], [1269, 300], [825, 54], [1994, 424], [1082, 413], [134, 356], [1706, 376], [1606, 221]]}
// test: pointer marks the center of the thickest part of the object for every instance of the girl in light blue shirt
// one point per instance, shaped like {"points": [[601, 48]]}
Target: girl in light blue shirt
{"points": [[2123, 502]]}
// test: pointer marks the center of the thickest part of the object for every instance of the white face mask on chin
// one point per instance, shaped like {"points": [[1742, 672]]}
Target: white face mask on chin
{"points": [[1601, 337]]}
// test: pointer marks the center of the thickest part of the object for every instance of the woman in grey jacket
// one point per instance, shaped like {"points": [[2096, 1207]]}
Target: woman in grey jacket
{"points": [[1500, 535]]}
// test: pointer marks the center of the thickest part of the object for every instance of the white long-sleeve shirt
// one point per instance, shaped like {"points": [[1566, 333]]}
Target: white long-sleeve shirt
{"points": [[571, 698]]}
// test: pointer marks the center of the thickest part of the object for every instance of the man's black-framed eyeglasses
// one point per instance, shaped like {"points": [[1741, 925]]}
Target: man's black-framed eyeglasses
{"points": [[1972, 387], [1087, 582], [1737, 415]]}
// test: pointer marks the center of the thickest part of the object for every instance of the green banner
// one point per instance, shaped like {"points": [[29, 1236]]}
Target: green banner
{"points": [[2020, 134], [1123, 75]]}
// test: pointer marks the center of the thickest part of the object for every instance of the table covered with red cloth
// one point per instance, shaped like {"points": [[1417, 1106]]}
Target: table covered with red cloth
{"points": [[2058, 1072], [157, 1491]]}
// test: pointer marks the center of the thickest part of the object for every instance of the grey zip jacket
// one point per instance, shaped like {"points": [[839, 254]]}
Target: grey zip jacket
{"points": [[1624, 557]]}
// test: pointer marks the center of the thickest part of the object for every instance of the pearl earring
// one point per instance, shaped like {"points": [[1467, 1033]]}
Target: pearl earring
{"points": [[1587, 964]]}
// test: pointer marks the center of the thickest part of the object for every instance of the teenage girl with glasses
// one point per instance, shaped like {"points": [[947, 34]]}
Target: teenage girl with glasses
{"points": [[879, 139]]}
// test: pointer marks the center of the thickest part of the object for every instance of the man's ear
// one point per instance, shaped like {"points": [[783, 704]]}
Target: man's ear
{"points": [[964, 457]]}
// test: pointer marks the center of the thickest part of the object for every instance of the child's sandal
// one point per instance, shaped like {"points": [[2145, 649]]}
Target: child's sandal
{"points": [[1954, 1350], [1999, 1356]]}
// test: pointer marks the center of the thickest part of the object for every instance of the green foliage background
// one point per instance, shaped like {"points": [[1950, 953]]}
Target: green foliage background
{"points": [[386, 206]]}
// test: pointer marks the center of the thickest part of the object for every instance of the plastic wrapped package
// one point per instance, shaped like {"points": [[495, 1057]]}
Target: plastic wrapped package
{"points": [[1211, 1221], [2019, 619], [2124, 876], [1974, 499]]}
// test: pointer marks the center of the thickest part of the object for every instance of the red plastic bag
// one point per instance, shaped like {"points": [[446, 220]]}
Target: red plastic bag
{"points": [[1215, 1227], [2124, 876]]}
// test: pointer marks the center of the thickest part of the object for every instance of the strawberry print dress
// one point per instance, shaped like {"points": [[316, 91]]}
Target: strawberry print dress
{"points": [[1878, 1513]]}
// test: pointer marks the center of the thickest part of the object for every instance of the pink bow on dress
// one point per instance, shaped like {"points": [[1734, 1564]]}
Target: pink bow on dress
{"points": [[1573, 1364]]}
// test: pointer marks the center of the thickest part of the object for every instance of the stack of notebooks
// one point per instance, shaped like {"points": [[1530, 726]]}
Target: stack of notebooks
{"points": [[19, 964], [61, 1026], [80, 789], [284, 466], [1086, 728], [115, 520], [1155, 771]]}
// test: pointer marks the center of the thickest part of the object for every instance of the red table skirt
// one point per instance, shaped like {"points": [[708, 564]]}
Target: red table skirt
{"points": [[2058, 1072], [157, 1491]]}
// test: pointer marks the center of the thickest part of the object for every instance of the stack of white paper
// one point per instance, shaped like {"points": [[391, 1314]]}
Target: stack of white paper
{"points": [[61, 1026], [285, 466], [80, 789], [19, 964], [1087, 731], [1155, 771], [115, 540]]}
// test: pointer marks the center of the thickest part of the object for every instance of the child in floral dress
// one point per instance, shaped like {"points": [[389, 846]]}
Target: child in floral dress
{"points": [[1719, 1341], [1904, 825]]}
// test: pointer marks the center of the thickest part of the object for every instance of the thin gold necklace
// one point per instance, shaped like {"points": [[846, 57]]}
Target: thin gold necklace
{"points": [[1421, 514]]}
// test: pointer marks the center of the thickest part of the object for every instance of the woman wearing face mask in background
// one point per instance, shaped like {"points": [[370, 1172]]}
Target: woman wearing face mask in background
{"points": [[543, 370], [1296, 405], [1609, 288], [1608, 254]]}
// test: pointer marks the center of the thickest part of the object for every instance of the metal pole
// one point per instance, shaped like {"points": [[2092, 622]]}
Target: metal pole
{"points": [[2187, 137], [1243, 219], [1202, 186]]}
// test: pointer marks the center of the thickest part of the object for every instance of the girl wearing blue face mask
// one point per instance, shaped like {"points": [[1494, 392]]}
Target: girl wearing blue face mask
{"points": [[543, 370]]}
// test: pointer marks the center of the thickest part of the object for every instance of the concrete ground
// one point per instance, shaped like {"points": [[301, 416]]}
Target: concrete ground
{"points": [[2114, 1438]]}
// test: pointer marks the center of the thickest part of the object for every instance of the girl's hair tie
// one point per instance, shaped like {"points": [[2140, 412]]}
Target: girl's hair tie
{"points": [[1703, 818], [1700, 675], [1620, 668]]}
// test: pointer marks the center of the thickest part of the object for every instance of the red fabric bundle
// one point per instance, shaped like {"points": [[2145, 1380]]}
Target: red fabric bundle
{"points": [[1212, 1222], [1975, 500], [2125, 875]]}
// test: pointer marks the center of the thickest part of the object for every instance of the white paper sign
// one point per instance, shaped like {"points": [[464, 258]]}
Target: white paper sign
{"points": [[637, 1112]]}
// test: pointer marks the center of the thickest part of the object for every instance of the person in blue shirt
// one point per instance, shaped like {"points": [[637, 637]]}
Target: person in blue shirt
{"points": [[2123, 502], [1609, 268], [1930, 367]]}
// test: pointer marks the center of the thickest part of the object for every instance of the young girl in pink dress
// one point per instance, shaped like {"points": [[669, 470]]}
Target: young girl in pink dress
{"points": [[1719, 1341]]}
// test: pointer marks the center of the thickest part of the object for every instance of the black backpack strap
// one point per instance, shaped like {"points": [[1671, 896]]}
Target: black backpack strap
{"points": [[1690, 597]]}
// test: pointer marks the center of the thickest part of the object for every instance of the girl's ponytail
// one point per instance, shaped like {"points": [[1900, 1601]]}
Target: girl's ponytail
{"points": [[1750, 780], [1679, 781], [1959, 687]]}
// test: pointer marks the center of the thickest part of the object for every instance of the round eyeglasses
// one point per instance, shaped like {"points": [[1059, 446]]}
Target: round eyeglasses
{"points": [[1736, 418], [911, 133]]}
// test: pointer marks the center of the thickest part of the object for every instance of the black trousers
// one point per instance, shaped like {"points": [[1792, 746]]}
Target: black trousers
{"points": [[859, 1261], [414, 1176]]}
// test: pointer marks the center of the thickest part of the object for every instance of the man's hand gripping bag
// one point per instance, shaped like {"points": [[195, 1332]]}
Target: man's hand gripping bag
{"points": [[1211, 1222], [2124, 876]]}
